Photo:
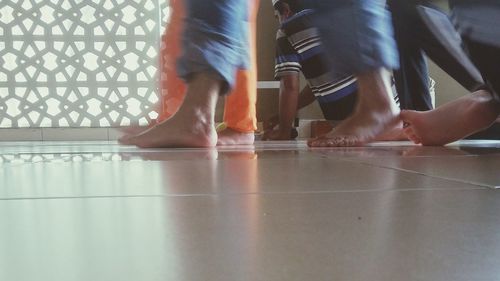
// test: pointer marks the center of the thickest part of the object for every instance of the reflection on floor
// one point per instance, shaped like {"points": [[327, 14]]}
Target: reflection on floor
{"points": [[273, 211]]}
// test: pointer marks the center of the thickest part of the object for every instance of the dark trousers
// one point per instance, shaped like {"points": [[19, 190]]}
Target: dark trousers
{"points": [[443, 46], [487, 60]]}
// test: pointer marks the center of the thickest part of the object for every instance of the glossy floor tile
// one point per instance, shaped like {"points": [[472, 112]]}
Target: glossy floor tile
{"points": [[472, 162], [273, 211], [390, 235]]}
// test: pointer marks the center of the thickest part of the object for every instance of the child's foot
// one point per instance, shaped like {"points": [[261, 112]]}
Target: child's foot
{"points": [[452, 121]]}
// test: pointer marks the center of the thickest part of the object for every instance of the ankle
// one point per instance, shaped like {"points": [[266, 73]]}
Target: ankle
{"points": [[202, 92], [375, 92]]}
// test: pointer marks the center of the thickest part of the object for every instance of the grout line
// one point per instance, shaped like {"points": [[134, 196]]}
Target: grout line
{"points": [[423, 174], [245, 194]]}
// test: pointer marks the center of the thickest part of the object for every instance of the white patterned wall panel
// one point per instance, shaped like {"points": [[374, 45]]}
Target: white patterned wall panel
{"points": [[79, 63]]}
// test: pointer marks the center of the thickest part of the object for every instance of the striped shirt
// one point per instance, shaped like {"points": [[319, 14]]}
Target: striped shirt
{"points": [[299, 49]]}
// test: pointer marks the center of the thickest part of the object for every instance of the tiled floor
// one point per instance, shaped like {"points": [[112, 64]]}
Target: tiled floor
{"points": [[393, 211]]}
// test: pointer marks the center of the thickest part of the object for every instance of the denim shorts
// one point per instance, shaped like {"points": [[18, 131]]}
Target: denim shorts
{"points": [[215, 40], [357, 34]]}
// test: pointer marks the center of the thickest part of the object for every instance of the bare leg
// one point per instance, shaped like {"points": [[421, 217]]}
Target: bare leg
{"points": [[375, 113], [452, 121], [229, 136], [192, 125]]}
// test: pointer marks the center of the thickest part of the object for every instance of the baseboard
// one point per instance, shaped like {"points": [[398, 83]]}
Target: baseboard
{"points": [[99, 134]]}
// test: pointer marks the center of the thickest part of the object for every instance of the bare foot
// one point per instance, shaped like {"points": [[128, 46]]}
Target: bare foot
{"points": [[375, 113], [202, 154], [395, 133], [357, 131], [229, 136], [135, 129], [192, 125], [176, 132], [452, 121]]}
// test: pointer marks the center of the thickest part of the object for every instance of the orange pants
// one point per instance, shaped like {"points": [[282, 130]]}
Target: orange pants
{"points": [[239, 111]]}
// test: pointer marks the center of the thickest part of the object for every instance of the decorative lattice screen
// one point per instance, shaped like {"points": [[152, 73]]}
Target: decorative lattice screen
{"points": [[74, 63]]}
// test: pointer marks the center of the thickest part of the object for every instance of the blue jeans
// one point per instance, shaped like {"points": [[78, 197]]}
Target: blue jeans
{"points": [[215, 40], [357, 34]]}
